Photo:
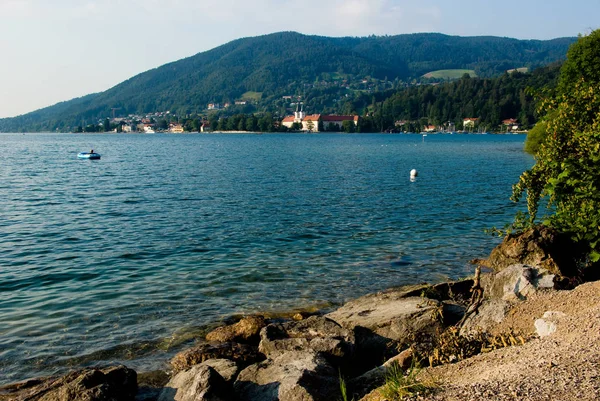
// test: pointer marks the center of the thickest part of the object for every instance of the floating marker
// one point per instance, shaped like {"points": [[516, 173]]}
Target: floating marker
{"points": [[413, 173]]}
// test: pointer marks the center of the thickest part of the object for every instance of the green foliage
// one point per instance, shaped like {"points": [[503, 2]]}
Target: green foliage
{"points": [[567, 170], [348, 126], [583, 62], [399, 384], [343, 389], [535, 137]]}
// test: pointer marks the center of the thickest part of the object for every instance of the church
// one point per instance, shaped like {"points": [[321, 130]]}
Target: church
{"points": [[317, 122]]}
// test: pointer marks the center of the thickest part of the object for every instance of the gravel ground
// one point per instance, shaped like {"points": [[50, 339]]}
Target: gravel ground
{"points": [[563, 366]]}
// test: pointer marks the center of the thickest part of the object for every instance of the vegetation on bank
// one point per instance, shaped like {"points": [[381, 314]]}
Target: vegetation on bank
{"points": [[566, 175]]}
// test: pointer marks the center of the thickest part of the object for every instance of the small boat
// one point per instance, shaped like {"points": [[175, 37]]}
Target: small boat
{"points": [[89, 155]]}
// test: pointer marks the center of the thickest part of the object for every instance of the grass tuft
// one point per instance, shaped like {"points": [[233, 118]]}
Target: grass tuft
{"points": [[343, 390], [400, 384]]}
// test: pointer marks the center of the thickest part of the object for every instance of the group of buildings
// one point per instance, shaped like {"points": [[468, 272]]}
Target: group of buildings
{"points": [[508, 125], [317, 122]]}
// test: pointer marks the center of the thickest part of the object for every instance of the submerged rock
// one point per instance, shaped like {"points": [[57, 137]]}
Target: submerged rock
{"points": [[115, 383], [245, 331]]}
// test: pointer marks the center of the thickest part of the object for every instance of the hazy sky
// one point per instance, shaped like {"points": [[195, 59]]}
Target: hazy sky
{"points": [[55, 50]]}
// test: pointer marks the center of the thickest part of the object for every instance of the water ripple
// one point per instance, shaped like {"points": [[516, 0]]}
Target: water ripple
{"points": [[132, 257]]}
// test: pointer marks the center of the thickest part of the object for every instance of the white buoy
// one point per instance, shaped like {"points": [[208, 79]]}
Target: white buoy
{"points": [[413, 173]]}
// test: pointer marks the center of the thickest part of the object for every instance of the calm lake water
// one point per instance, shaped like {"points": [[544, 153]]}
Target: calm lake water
{"points": [[128, 259]]}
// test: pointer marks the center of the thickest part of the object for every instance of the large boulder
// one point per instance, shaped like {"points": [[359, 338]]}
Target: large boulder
{"points": [[199, 383], [501, 290], [541, 247], [115, 383], [385, 321], [316, 333], [292, 376], [225, 367], [242, 354], [517, 282], [245, 331]]}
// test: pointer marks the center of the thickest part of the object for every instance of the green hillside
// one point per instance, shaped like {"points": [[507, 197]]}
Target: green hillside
{"points": [[290, 63]]}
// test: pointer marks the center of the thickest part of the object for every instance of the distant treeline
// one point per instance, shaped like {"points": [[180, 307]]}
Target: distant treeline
{"points": [[490, 100]]}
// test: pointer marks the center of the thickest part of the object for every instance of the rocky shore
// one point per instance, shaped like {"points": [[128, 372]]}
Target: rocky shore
{"points": [[513, 333]]}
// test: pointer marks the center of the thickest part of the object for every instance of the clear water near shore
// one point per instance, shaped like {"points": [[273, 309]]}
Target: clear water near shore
{"points": [[125, 258]]}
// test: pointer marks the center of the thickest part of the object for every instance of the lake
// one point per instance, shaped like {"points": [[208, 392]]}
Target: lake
{"points": [[132, 257]]}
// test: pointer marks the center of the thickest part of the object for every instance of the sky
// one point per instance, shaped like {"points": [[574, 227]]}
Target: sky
{"points": [[56, 50]]}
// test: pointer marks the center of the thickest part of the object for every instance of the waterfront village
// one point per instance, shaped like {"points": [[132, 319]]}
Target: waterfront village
{"points": [[299, 121]]}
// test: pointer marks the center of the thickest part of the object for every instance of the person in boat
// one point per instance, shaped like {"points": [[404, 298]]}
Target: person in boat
{"points": [[92, 152]]}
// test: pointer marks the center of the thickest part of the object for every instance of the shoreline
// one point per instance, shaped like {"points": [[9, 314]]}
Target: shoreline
{"points": [[152, 383]]}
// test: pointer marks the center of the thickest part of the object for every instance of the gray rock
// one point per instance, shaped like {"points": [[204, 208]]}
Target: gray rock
{"points": [[548, 323], [385, 321], [292, 376], [224, 367], [518, 281], [316, 333], [199, 383], [390, 315], [490, 313], [242, 354], [115, 383]]}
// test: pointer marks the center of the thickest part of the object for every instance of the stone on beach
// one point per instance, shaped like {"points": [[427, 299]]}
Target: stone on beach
{"points": [[199, 383], [291, 376], [513, 284], [384, 320], [542, 247], [547, 325], [115, 383], [316, 333], [242, 354]]}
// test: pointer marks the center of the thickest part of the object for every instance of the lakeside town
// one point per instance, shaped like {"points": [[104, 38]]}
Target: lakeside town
{"points": [[299, 121]]}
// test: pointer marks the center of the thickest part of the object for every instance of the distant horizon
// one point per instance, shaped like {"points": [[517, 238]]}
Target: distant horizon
{"points": [[65, 50]]}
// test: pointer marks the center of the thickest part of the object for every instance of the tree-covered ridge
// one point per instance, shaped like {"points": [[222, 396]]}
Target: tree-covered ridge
{"points": [[289, 63], [490, 100]]}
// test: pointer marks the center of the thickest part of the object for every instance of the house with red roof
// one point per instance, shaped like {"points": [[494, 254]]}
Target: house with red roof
{"points": [[510, 124], [317, 122], [469, 123]]}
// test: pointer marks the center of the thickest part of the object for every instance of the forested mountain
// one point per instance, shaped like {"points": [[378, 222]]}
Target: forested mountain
{"points": [[289, 63]]}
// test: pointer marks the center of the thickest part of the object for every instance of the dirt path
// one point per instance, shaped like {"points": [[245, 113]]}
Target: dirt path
{"points": [[563, 366]]}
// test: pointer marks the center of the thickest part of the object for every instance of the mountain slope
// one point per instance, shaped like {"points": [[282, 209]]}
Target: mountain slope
{"points": [[287, 63]]}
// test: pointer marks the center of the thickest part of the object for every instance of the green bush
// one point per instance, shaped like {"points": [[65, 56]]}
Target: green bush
{"points": [[567, 170]]}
